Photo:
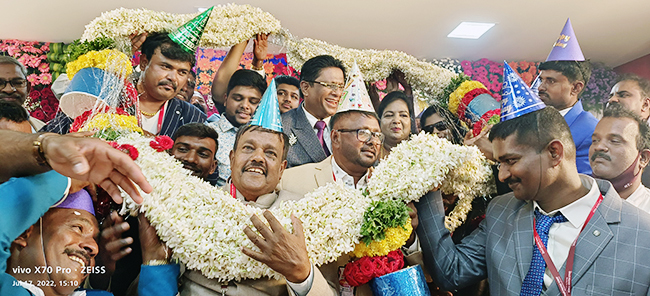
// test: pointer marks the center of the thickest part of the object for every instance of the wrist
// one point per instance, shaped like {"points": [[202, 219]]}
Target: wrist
{"points": [[300, 273], [39, 148], [257, 64]]}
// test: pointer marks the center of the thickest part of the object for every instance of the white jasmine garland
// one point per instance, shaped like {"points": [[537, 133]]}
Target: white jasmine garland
{"points": [[425, 162]]}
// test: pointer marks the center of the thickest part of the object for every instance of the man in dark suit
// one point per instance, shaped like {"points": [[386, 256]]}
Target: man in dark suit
{"points": [[322, 79], [550, 201], [165, 70]]}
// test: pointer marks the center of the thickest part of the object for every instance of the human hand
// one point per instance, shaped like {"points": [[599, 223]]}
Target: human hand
{"points": [[481, 141], [112, 247], [280, 250], [137, 40], [152, 247], [260, 50], [95, 161]]}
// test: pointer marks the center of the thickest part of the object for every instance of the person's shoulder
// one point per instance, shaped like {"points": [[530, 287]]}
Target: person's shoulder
{"points": [[585, 117], [303, 168], [504, 203], [187, 107]]}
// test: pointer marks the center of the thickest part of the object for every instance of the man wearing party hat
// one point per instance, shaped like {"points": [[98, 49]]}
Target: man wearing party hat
{"points": [[258, 160], [356, 143], [580, 224], [562, 79], [166, 62]]}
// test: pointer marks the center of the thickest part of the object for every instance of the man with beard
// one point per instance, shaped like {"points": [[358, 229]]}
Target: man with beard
{"points": [[632, 92], [563, 77], [195, 145], [525, 242], [322, 80], [15, 87], [620, 150], [165, 69], [14, 117], [244, 93]]}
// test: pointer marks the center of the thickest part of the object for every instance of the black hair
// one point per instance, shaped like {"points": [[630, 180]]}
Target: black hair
{"points": [[643, 136], [244, 77], [458, 131], [313, 67], [573, 70], [168, 48], [537, 129], [199, 130], [13, 111], [643, 83], [392, 97], [338, 115], [286, 79], [246, 128]]}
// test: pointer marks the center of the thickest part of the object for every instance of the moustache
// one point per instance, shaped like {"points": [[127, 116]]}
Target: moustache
{"points": [[511, 180], [170, 83], [14, 95], [190, 166], [601, 155], [254, 164], [79, 253]]}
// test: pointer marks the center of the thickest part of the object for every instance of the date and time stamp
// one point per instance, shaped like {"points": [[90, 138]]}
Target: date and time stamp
{"points": [[55, 270]]}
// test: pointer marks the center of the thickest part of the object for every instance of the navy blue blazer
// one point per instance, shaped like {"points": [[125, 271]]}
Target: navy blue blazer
{"points": [[177, 114], [305, 147], [582, 125]]}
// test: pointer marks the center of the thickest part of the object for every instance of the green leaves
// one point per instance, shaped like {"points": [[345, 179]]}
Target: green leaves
{"points": [[77, 48], [381, 215]]}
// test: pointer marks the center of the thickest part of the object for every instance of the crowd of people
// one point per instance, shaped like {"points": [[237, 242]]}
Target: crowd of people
{"points": [[564, 177]]}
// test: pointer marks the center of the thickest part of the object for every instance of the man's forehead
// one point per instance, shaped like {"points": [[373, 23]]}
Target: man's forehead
{"points": [[509, 147], [196, 141], [9, 71], [262, 138], [617, 126], [157, 54], [59, 216], [356, 120], [288, 87]]}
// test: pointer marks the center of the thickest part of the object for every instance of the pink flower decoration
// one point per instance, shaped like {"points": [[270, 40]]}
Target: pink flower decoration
{"points": [[46, 78], [13, 50], [381, 84], [33, 79], [44, 68]]}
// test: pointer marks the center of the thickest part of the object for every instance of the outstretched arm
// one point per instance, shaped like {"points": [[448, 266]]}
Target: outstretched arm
{"points": [[229, 65]]}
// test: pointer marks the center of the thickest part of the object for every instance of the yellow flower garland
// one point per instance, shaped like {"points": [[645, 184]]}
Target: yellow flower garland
{"points": [[456, 97], [116, 122], [109, 60], [395, 238]]}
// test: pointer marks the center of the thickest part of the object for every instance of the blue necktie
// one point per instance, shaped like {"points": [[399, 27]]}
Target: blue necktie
{"points": [[534, 280]]}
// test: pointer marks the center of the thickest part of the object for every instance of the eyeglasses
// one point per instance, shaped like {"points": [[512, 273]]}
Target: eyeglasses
{"points": [[364, 135], [15, 83], [440, 126], [332, 86]]}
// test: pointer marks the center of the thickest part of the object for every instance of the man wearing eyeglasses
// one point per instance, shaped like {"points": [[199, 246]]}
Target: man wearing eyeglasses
{"points": [[322, 79], [14, 85]]}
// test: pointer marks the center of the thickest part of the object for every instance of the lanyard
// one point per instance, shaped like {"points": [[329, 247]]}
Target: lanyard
{"points": [[160, 116], [564, 285], [233, 190]]}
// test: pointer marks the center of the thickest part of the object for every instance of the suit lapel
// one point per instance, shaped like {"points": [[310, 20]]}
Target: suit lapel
{"points": [[171, 118], [573, 114], [524, 238], [306, 136], [323, 172]]}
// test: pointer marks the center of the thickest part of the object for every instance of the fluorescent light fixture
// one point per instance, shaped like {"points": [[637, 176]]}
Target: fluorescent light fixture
{"points": [[202, 9], [470, 30]]}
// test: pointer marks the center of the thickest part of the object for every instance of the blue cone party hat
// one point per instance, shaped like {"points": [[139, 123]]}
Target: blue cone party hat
{"points": [[516, 97], [566, 48], [267, 114]]}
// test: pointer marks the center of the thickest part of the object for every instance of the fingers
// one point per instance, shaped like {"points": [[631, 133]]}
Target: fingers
{"points": [[111, 189], [81, 134], [253, 254], [254, 237], [273, 222], [261, 227], [297, 227], [65, 154]]}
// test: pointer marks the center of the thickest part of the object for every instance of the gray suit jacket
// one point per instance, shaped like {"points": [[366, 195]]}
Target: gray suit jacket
{"points": [[307, 148], [612, 253]]}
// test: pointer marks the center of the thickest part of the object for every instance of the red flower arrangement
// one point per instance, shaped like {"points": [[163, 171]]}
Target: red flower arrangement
{"points": [[162, 143], [467, 99], [361, 271], [81, 120], [490, 117], [126, 148]]}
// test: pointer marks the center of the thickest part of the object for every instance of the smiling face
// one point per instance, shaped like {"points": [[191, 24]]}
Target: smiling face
{"points": [[396, 122], [439, 126], [613, 147], [288, 97], [69, 241], [163, 78], [11, 72], [256, 163], [519, 167], [322, 101], [241, 103], [196, 154]]}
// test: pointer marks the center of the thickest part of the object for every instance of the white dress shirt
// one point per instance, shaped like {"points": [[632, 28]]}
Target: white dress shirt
{"points": [[562, 235], [326, 132], [565, 111], [640, 198], [341, 177]]}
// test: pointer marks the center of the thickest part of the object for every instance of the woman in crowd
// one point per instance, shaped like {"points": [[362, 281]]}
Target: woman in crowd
{"points": [[396, 117]]}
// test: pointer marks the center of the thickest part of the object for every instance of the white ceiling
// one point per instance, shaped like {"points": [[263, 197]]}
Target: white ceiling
{"points": [[609, 31]]}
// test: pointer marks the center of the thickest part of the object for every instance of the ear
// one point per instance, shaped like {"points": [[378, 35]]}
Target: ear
{"points": [[577, 87], [144, 62], [645, 105], [282, 167], [555, 150], [335, 138], [22, 239], [231, 155], [214, 166], [304, 86], [645, 158]]}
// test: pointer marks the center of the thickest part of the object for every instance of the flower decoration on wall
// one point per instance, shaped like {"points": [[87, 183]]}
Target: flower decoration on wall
{"points": [[33, 55], [597, 90]]}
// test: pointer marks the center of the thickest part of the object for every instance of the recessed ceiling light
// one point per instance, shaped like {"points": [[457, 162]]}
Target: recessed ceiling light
{"points": [[470, 30], [202, 9]]}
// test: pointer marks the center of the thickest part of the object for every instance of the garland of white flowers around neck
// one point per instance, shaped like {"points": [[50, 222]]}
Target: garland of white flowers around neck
{"points": [[232, 24], [203, 225]]}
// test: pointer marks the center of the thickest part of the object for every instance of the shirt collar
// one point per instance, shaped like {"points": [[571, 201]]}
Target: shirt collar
{"points": [[342, 177], [225, 125], [312, 119], [565, 110], [264, 201], [576, 212]]}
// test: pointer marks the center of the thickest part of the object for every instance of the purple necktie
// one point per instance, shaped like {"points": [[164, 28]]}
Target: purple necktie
{"points": [[320, 125]]}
